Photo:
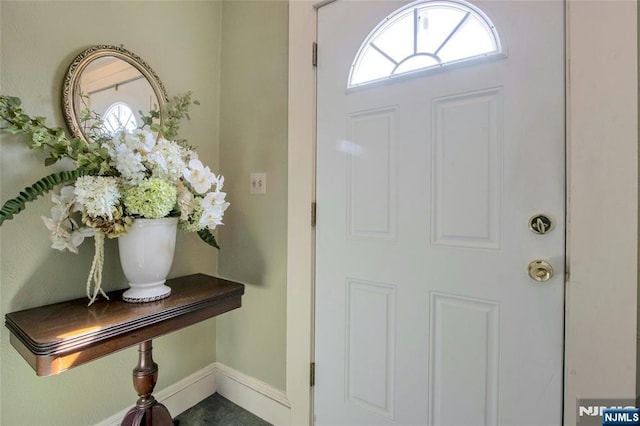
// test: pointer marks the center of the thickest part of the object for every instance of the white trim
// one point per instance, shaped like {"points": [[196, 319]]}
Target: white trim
{"points": [[300, 234], [253, 395], [323, 3], [248, 392]]}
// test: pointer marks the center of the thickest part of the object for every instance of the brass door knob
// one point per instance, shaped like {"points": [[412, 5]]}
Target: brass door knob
{"points": [[540, 270]]}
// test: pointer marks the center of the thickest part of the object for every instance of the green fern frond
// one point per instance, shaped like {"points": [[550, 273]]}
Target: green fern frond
{"points": [[207, 237], [42, 186]]}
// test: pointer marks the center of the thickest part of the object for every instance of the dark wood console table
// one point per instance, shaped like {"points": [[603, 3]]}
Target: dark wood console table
{"points": [[57, 337]]}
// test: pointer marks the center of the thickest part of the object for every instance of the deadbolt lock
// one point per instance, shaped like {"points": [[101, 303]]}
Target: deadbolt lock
{"points": [[540, 224], [540, 270]]}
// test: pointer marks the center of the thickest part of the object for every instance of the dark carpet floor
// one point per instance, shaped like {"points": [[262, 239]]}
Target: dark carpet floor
{"points": [[219, 411]]}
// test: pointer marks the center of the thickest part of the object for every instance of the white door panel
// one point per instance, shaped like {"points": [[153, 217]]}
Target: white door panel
{"points": [[425, 313]]}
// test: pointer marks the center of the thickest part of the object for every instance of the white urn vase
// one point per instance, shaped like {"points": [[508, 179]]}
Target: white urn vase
{"points": [[146, 255]]}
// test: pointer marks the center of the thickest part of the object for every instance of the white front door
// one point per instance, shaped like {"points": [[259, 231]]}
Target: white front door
{"points": [[425, 311]]}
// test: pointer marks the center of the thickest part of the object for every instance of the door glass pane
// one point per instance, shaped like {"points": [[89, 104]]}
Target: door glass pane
{"points": [[396, 39], [421, 36], [472, 39]]}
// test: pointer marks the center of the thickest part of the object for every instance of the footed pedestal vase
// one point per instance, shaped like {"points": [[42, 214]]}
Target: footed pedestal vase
{"points": [[146, 255]]}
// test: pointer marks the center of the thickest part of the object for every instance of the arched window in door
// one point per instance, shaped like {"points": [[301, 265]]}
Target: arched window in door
{"points": [[424, 35]]}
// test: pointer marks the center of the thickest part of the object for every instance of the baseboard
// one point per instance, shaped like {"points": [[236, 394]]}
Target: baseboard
{"points": [[253, 395]]}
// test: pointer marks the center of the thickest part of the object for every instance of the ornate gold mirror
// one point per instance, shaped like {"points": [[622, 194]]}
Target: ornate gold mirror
{"points": [[112, 83]]}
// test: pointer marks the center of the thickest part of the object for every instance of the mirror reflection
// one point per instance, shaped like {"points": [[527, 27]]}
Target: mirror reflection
{"points": [[116, 91], [107, 87]]}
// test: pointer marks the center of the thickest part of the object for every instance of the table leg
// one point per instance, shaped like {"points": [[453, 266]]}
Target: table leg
{"points": [[148, 411]]}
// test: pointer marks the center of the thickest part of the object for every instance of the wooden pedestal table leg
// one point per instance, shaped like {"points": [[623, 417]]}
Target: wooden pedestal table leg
{"points": [[148, 411]]}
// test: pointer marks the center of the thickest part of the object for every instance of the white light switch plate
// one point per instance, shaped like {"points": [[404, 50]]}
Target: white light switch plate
{"points": [[258, 183]]}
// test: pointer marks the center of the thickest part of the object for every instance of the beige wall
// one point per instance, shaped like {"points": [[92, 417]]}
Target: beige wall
{"points": [[602, 184], [181, 41], [253, 138]]}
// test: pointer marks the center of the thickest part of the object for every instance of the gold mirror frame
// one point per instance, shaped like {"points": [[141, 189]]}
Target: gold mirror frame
{"points": [[71, 93]]}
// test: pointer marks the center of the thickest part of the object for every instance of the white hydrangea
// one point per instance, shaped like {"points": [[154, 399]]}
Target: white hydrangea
{"points": [[98, 195], [129, 164], [166, 161], [140, 140], [124, 150]]}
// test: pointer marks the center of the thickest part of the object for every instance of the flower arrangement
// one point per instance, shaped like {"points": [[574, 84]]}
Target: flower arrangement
{"points": [[144, 173]]}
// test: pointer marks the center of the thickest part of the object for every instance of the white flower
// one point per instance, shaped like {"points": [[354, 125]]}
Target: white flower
{"points": [[65, 234], [134, 140], [185, 201], [213, 206], [65, 197], [191, 155], [127, 150], [129, 164], [142, 140], [199, 177], [78, 236], [219, 182], [166, 161], [65, 239], [59, 233], [98, 195]]}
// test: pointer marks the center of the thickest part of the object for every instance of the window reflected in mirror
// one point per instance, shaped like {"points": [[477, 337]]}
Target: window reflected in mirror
{"points": [[119, 116], [107, 88], [117, 92]]}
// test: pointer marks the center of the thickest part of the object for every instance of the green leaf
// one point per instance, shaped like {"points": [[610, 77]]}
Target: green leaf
{"points": [[13, 101], [36, 134], [13, 129], [42, 186], [206, 236], [146, 121]]}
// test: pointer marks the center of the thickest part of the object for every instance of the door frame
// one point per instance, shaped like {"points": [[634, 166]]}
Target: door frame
{"points": [[602, 160]]}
